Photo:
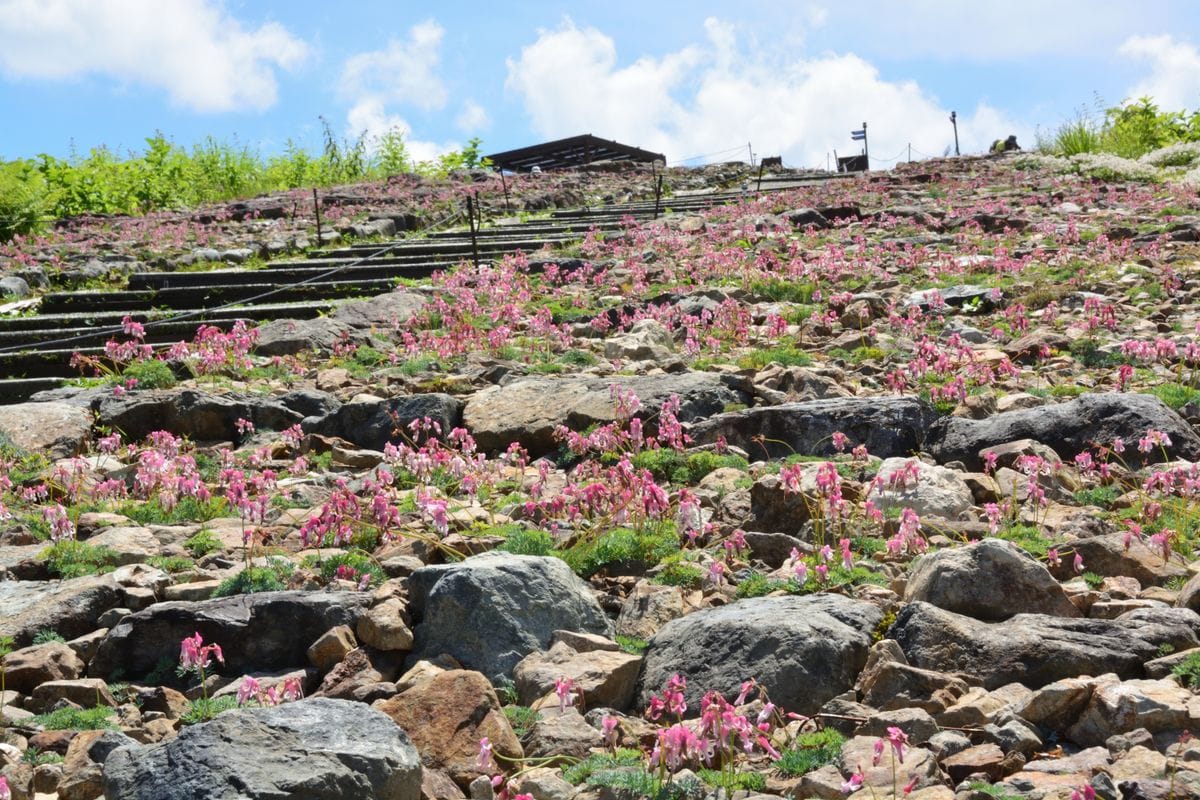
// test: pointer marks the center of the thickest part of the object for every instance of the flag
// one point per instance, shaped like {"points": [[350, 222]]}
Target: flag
{"points": [[858, 135]]}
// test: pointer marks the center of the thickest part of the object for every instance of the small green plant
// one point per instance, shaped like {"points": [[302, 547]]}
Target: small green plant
{"points": [[1176, 395], [203, 709], [521, 718], [38, 757], [187, 509], [70, 558], [676, 572], [1188, 670], [667, 464], [994, 790], [528, 542], [1102, 496], [623, 548], [632, 645], [735, 781], [202, 542], [350, 565], [597, 762], [251, 580], [45, 636], [171, 564], [758, 585], [1092, 580], [784, 355], [77, 719], [811, 750], [150, 373]]}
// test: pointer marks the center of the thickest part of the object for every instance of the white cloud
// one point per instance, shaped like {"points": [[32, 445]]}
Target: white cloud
{"points": [[716, 96], [403, 72], [1174, 79], [194, 49], [472, 117]]}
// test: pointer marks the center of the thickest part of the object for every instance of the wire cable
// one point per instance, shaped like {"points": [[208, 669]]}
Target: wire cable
{"points": [[183, 316]]}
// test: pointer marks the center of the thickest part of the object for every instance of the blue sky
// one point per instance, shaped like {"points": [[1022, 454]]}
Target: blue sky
{"points": [[684, 78]]}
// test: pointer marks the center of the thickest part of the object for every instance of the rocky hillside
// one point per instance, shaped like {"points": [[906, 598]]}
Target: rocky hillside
{"points": [[881, 486]]}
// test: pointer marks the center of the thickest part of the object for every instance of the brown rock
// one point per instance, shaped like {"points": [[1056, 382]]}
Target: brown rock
{"points": [[893, 685], [332, 647], [648, 607], [447, 715], [53, 741], [359, 668], [436, 785], [59, 430], [985, 758], [28, 667], [562, 734], [385, 626], [979, 706], [604, 678], [1057, 705], [83, 692]]}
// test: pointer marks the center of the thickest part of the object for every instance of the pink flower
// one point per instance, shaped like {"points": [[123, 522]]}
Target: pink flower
{"points": [[562, 688], [5, 792], [1078, 564], [853, 783], [248, 690], [610, 727], [899, 740], [912, 784], [195, 655], [485, 763]]}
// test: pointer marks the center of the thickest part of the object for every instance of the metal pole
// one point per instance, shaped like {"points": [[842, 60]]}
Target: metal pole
{"points": [[471, 222], [866, 147], [910, 152], [750, 150], [758, 188], [504, 183], [657, 195], [954, 122], [317, 211]]}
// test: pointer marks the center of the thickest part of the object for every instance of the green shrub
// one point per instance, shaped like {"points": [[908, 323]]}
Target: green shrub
{"points": [[1078, 135], [758, 585], [1188, 670], [1102, 496], [23, 200], [150, 373], [357, 560], [202, 542], [77, 719], [580, 772], [689, 468], [45, 635], [70, 558], [631, 644], [529, 542], [203, 709], [171, 564], [186, 509], [252, 580], [785, 355], [810, 751], [1176, 395], [521, 718], [732, 782], [622, 548]]}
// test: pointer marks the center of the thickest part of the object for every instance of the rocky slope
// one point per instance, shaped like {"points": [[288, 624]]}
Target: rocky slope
{"points": [[873, 487]]}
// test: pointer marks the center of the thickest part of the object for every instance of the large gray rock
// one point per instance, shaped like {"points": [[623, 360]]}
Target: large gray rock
{"points": [[373, 423], [492, 610], [196, 414], [381, 312], [58, 430], [1069, 428], [529, 410], [936, 492], [70, 608], [287, 337], [990, 580], [888, 426], [264, 631], [1035, 649], [803, 650], [317, 749]]}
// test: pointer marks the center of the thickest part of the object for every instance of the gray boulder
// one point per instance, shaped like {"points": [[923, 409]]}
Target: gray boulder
{"points": [[380, 312], [803, 650], [990, 580], [492, 610], [287, 337], [317, 749], [264, 631], [58, 430], [888, 426], [372, 423], [70, 608], [1069, 428], [528, 410], [1036, 649], [196, 414]]}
